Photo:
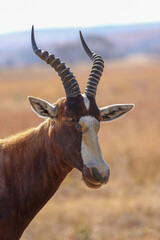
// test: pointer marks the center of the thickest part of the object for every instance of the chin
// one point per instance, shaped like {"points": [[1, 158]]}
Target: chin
{"points": [[92, 185]]}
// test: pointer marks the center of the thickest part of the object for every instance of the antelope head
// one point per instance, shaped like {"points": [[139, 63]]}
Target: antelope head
{"points": [[75, 119]]}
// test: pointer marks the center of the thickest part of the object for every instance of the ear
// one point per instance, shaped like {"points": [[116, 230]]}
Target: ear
{"points": [[42, 108], [112, 112]]}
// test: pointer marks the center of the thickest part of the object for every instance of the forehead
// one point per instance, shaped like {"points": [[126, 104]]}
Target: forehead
{"points": [[80, 106]]}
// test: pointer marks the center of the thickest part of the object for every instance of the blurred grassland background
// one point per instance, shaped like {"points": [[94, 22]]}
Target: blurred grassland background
{"points": [[128, 207]]}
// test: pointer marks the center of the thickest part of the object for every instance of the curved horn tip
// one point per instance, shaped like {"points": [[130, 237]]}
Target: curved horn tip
{"points": [[80, 33], [88, 51], [34, 45], [81, 37], [32, 31]]}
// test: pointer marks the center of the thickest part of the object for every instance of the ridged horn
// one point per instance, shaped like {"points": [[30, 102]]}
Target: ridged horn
{"points": [[97, 69], [70, 84]]}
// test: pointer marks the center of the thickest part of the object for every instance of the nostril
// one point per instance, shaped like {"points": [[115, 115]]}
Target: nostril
{"points": [[96, 174], [98, 177]]}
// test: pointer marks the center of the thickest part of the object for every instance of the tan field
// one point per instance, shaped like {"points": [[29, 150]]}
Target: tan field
{"points": [[128, 207]]}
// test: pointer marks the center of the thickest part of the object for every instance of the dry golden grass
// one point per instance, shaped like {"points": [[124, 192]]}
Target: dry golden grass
{"points": [[128, 207]]}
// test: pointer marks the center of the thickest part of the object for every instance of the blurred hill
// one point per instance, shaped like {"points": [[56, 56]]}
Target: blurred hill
{"points": [[109, 41]]}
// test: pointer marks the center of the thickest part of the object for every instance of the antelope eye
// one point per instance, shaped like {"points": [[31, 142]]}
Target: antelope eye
{"points": [[79, 127]]}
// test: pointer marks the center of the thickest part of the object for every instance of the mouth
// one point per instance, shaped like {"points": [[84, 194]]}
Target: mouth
{"points": [[92, 185]]}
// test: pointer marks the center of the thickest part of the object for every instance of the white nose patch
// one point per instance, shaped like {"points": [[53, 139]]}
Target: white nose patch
{"points": [[90, 149]]}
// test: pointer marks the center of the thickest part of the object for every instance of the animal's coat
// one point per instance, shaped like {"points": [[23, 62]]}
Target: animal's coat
{"points": [[34, 163]]}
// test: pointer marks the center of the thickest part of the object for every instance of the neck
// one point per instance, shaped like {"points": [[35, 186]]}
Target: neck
{"points": [[32, 172]]}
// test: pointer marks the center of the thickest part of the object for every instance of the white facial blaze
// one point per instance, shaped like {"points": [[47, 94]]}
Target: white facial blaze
{"points": [[86, 101], [90, 149]]}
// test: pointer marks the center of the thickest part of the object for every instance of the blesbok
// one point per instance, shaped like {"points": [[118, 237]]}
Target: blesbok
{"points": [[34, 163]]}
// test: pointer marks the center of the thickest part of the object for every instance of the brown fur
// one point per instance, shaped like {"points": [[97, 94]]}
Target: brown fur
{"points": [[34, 163], [31, 174]]}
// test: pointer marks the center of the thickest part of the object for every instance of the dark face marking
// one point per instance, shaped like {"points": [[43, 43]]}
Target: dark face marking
{"points": [[76, 106], [67, 134], [94, 110], [75, 138]]}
